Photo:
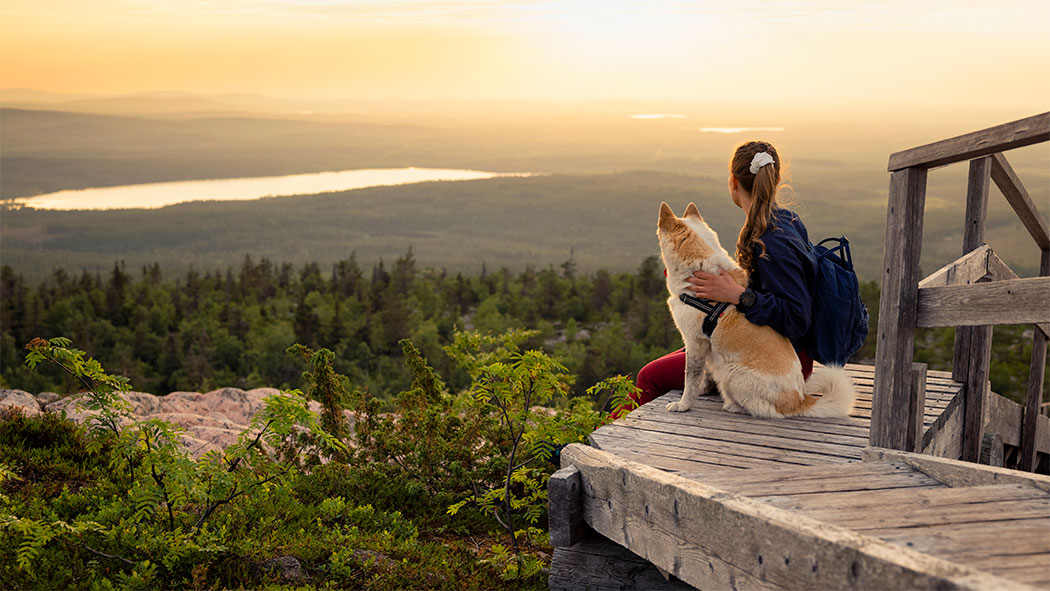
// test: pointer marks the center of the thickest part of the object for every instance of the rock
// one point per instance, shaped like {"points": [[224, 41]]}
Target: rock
{"points": [[46, 398], [287, 568], [20, 399]]}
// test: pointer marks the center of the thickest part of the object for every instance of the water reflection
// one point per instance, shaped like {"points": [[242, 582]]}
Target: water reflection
{"points": [[151, 195]]}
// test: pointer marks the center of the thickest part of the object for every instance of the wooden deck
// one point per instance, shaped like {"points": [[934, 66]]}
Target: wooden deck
{"points": [[826, 511]]}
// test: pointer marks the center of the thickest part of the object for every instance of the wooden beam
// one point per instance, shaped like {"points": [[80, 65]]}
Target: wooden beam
{"points": [[975, 396], [1011, 301], [565, 508], [713, 539], [917, 410], [965, 270], [598, 564], [1006, 179], [956, 473], [1029, 441], [1023, 132], [895, 341], [977, 186]]}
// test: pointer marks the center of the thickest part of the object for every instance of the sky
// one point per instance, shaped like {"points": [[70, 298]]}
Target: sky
{"points": [[814, 54]]}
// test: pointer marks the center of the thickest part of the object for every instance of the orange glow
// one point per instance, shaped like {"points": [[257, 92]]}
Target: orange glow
{"points": [[813, 54]]}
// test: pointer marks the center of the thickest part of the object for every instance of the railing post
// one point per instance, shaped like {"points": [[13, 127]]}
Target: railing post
{"points": [[893, 392], [973, 237], [973, 343], [1035, 386], [917, 410]]}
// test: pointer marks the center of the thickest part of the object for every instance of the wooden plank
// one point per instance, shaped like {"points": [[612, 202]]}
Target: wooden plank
{"points": [[919, 507], [1006, 179], [565, 508], [1012, 301], [895, 346], [674, 459], [598, 564], [916, 413], [716, 427], [1006, 417], [681, 526], [1036, 369], [838, 478], [1016, 134], [943, 437], [977, 185], [1030, 569], [956, 473], [1020, 535], [689, 448], [749, 443], [709, 405], [965, 270], [975, 396]]}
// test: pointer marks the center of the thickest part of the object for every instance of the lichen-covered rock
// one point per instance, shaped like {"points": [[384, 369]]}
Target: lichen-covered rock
{"points": [[20, 399]]}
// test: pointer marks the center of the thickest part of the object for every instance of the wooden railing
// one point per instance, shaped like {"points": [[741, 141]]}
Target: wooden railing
{"points": [[973, 293]]}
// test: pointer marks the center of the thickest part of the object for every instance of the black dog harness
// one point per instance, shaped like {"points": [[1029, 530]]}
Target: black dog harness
{"points": [[714, 310]]}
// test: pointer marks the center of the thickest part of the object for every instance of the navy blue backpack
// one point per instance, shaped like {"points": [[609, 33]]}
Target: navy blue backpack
{"points": [[840, 319]]}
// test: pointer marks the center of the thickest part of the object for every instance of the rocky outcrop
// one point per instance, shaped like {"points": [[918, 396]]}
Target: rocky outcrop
{"points": [[209, 421], [20, 399]]}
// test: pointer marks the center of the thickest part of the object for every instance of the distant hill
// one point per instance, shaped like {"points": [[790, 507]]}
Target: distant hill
{"points": [[602, 221]]}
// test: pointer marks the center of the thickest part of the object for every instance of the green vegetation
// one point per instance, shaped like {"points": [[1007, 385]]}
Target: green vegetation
{"points": [[117, 503], [198, 333]]}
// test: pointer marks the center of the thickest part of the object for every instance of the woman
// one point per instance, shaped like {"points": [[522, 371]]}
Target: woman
{"points": [[772, 248]]}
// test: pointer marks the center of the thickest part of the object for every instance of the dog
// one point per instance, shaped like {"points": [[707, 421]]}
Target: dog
{"points": [[754, 367]]}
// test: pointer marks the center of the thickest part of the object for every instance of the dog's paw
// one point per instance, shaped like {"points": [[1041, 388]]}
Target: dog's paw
{"points": [[733, 407], [679, 406]]}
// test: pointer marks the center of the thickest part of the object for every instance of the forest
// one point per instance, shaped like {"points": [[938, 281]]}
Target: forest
{"points": [[198, 332]]}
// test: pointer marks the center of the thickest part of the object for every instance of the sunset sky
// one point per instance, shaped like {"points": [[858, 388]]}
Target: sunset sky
{"points": [[818, 54]]}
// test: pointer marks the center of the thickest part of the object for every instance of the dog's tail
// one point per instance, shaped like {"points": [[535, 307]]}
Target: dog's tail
{"points": [[837, 393]]}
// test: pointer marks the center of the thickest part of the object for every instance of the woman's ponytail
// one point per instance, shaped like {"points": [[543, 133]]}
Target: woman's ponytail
{"points": [[762, 185]]}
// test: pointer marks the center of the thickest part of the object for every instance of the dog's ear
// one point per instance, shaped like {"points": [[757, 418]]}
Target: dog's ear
{"points": [[667, 217], [692, 212]]}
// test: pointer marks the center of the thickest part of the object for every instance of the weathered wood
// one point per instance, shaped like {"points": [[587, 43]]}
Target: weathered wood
{"points": [[810, 480], [565, 508], [957, 473], [1006, 179], [1030, 430], [681, 526], [725, 428], [1015, 134], [943, 438], [1006, 417], [992, 450], [597, 564], [916, 411], [920, 507], [976, 394], [896, 333], [751, 441], [945, 540], [1015, 301], [967, 269], [978, 183]]}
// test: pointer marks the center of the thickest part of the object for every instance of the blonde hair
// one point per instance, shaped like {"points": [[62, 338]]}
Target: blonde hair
{"points": [[763, 189]]}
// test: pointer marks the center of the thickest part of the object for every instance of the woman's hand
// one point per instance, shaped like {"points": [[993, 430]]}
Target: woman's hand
{"points": [[717, 288]]}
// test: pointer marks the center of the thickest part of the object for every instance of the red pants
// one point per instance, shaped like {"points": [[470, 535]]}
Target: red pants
{"points": [[667, 373]]}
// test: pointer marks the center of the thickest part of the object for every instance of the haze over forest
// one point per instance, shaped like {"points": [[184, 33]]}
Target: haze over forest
{"points": [[600, 173]]}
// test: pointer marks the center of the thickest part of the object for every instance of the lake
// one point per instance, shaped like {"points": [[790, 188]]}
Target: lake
{"points": [[153, 195]]}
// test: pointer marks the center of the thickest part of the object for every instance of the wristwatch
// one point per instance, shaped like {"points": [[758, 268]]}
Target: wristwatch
{"points": [[747, 299]]}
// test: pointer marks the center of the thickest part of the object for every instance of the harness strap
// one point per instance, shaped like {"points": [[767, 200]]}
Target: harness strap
{"points": [[714, 310]]}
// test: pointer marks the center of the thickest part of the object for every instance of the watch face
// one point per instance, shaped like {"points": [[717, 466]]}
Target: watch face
{"points": [[747, 298]]}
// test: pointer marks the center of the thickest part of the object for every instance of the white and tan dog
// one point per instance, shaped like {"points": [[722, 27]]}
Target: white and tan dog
{"points": [[755, 367]]}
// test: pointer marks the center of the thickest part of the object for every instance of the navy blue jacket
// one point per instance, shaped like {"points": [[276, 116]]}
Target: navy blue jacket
{"points": [[783, 279]]}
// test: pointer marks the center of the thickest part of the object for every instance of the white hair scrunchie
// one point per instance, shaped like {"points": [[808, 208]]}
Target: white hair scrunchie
{"points": [[761, 159]]}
